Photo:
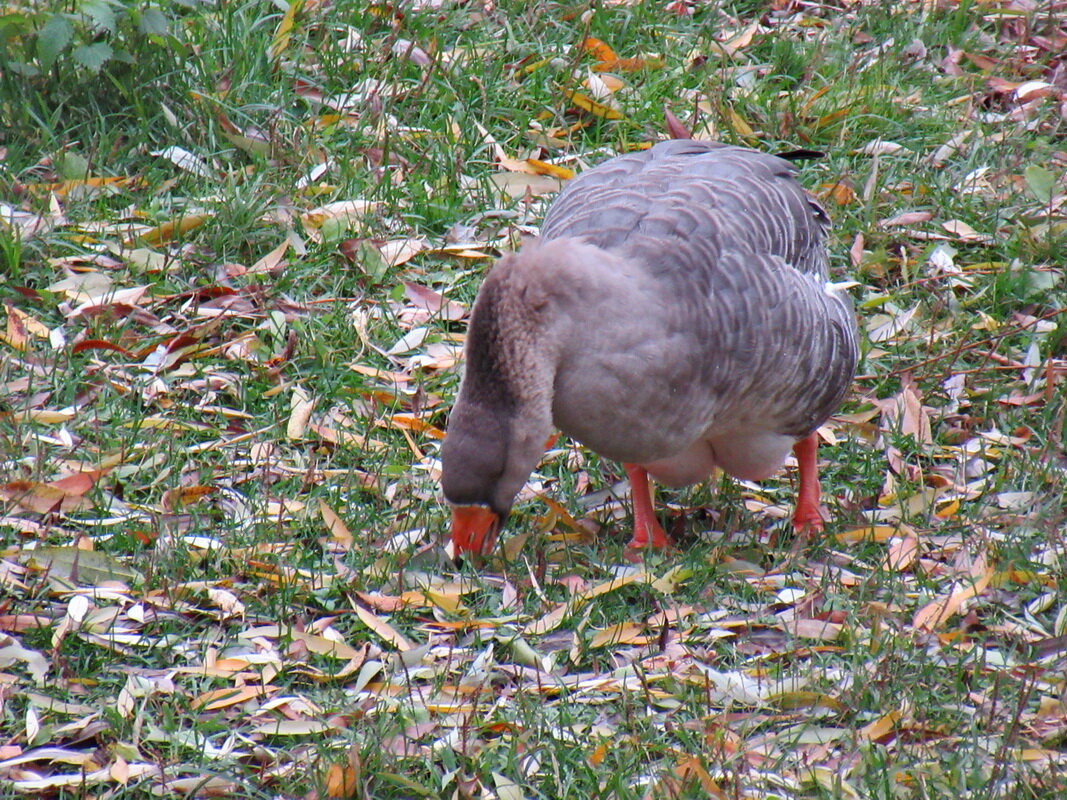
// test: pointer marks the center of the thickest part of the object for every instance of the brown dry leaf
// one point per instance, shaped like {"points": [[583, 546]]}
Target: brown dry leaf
{"points": [[339, 532], [502, 158], [517, 185], [964, 232], [301, 404], [907, 218], [272, 261], [121, 301], [434, 302], [737, 42], [840, 193], [907, 415], [891, 324], [623, 633], [820, 629], [936, 613], [902, 553], [346, 437], [45, 498], [395, 252], [222, 698], [382, 628]]}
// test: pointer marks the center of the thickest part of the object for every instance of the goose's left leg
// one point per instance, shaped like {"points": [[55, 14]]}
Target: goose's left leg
{"points": [[807, 517], [647, 530]]}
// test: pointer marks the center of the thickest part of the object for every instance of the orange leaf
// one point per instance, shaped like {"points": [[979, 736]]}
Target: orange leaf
{"points": [[627, 64], [100, 344], [544, 168], [840, 193], [598, 754], [409, 422], [598, 49]]}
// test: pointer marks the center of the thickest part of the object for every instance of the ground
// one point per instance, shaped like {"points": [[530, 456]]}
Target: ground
{"points": [[240, 244]]}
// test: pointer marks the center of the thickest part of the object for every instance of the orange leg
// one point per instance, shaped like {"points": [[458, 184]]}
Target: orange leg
{"points": [[806, 516], [647, 531]]}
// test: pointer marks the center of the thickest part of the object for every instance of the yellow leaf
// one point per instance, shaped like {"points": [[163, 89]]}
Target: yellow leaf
{"points": [[738, 124], [881, 727], [342, 781], [833, 116], [871, 533], [285, 28], [948, 509], [517, 184], [168, 231], [549, 622], [301, 404], [63, 188], [502, 158], [343, 211], [591, 106], [803, 699]]}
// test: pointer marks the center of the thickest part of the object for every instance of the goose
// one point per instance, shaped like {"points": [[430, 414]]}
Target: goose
{"points": [[674, 314]]}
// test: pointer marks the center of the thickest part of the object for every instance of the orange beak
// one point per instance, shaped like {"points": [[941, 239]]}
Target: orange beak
{"points": [[474, 529]]}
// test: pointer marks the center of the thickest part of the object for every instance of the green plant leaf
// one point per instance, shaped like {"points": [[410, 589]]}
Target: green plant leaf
{"points": [[153, 22], [101, 14], [93, 56], [53, 37], [1040, 181]]}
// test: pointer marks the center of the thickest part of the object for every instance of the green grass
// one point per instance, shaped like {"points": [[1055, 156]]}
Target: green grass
{"points": [[195, 557]]}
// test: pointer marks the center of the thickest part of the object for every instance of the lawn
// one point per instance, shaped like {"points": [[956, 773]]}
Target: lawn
{"points": [[240, 242]]}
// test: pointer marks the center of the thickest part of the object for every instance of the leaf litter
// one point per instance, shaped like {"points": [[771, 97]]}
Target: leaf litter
{"points": [[418, 642]]}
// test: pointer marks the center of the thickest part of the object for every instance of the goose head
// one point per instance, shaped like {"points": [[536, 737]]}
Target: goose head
{"points": [[503, 413]]}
